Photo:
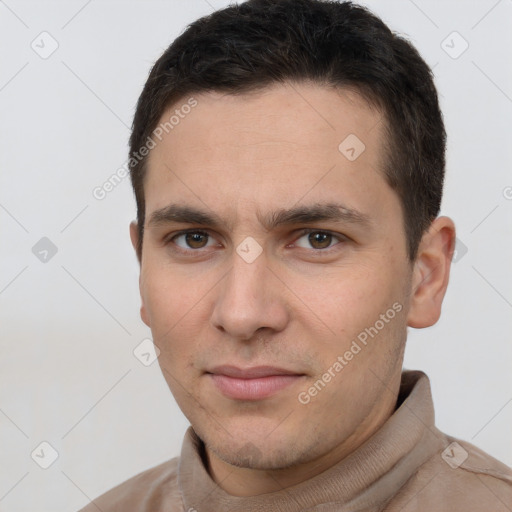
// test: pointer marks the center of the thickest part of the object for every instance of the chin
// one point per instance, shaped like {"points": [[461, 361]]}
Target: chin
{"points": [[254, 456], [251, 447]]}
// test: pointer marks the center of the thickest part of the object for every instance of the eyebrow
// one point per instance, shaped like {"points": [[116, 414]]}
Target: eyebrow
{"points": [[318, 212]]}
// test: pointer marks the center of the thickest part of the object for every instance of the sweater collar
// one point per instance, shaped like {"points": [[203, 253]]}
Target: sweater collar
{"points": [[370, 475]]}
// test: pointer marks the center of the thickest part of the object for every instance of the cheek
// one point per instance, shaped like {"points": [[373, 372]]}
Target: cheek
{"points": [[345, 301], [172, 308], [168, 296], [179, 306]]}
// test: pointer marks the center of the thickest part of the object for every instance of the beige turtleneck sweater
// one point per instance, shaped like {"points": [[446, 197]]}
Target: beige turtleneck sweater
{"points": [[407, 465]]}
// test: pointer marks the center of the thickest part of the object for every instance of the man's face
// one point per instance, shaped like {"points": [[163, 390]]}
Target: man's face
{"points": [[319, 284]]}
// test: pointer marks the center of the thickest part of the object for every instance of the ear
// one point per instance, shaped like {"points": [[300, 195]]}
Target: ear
{"points": [[134, 236], [431, 273]]}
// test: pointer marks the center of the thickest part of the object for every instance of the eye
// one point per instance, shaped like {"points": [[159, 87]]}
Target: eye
{"points": [[317, 240], [190, 240]]}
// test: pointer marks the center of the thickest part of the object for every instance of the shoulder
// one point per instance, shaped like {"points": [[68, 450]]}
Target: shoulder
{"points": [[460, 477], [152, 490]]}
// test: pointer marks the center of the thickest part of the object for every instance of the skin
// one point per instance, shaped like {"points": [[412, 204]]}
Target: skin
{"points": [[301, 302]]}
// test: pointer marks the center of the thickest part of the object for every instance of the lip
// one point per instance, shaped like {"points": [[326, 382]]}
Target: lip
{"points": [[254, 383]]}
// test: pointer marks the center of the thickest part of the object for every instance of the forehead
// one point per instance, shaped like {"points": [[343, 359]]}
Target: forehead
{"points": [[277, 145], [307, 115]]}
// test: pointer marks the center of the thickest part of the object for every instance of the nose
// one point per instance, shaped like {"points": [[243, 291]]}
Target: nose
{"points": [[249, 298]]}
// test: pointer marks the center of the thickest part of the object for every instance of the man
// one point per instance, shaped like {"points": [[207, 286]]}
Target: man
{"points": [[287, 158]]}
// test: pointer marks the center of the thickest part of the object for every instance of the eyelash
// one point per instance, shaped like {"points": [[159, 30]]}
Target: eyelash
{"points": [[341, 238]]}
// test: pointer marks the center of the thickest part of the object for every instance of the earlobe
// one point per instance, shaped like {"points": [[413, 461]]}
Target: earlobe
{"points": [[143, 314], [143, 311], [431, 273]]}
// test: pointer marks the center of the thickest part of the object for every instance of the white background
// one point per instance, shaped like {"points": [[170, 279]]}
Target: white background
{"points": [[69, 326]]}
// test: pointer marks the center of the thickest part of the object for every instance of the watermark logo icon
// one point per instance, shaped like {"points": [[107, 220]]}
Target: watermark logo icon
{"points": [[454, 45], [45, 45], [44, 455], [249, 249], [351, 147], [249, 455], [454, 455], [44, 250], [146, 352], [460, 251]]}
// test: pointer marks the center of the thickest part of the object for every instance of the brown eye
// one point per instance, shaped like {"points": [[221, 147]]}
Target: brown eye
{"points": [[319, 240], [190, 240], [196, 240]]}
